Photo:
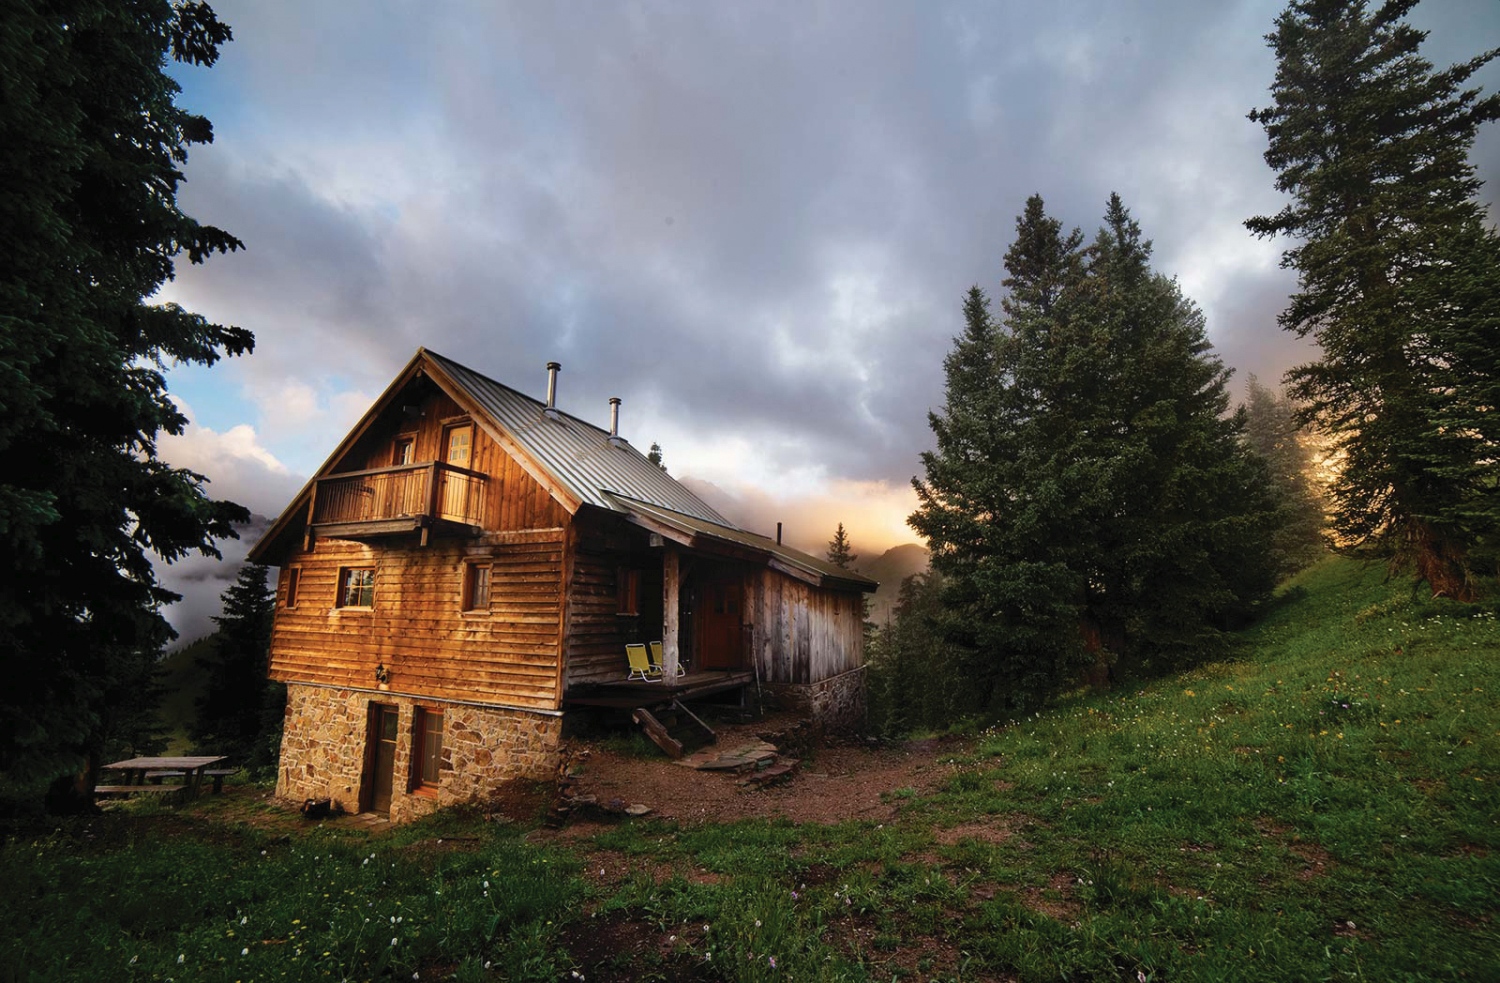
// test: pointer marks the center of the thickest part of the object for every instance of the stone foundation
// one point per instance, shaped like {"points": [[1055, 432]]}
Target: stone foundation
{"points": [[836, 704], [325, 733]]}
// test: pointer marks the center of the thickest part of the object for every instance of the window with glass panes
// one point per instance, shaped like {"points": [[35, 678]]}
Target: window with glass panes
{"points": [[357, 587]]}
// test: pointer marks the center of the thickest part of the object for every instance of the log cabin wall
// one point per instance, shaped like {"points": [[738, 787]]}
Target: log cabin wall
{"points": [[416, 627], [600, 621], [801, 633]]}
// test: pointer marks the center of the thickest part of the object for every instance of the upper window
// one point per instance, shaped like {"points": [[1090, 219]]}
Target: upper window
{"points": [[476, 587], [627, 591], [405, 452], [458, 444], [357, 587], [427, 750], [293, 581]]}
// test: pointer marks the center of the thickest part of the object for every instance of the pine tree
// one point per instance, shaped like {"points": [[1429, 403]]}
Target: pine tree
{"points": [[91, 144], [1271, 431], [917, 680], [1397, 280], [654, 456], [839, 553], [239, 713], [1089, 499]]}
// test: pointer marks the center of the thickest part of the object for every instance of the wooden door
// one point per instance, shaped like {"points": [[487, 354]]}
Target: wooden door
{"points": [[380, 759], [719, 641], [458, 450]]}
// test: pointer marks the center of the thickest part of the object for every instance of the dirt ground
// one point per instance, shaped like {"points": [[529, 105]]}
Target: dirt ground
{"points": [[836, 780]]}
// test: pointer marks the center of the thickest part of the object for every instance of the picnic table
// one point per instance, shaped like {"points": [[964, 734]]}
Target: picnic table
{"points": [[136, 771]]}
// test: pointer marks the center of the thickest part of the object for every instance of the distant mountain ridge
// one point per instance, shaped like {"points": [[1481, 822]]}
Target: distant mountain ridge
{"points": [[889, 569]]}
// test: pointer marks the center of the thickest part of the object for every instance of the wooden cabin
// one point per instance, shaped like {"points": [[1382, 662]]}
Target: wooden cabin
{"points": [[469, 565]]}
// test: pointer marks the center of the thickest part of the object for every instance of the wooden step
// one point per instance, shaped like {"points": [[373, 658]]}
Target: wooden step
{"points": [[658, 734]]}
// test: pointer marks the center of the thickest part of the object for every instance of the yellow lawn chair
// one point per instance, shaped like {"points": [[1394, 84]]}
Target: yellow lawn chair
{"points": [[660, 664], [640, 663]]}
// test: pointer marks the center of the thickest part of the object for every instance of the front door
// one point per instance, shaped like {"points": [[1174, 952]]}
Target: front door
{"points": [[381, 768], [719, 642]]}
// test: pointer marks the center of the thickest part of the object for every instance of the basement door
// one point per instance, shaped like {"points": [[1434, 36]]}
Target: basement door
{"points": [[380, 758]]}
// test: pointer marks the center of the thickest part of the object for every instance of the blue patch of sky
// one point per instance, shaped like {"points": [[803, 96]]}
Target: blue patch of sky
{"points": [[213, 393]]}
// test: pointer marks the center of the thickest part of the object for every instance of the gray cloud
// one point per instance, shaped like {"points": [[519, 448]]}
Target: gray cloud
{"points": [[751, 220]]}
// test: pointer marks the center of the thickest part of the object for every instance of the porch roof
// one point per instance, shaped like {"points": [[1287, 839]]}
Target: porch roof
{"points": [[697, 533]]}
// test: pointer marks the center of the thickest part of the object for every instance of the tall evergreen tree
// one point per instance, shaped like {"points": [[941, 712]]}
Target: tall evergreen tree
{"points": [[839, 552], [91, 144], [1271, 431], [1089, 499], [240, 710], [1398, 280]]}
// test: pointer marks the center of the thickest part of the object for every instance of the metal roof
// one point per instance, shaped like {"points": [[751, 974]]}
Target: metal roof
{"points": [[579, 455]]}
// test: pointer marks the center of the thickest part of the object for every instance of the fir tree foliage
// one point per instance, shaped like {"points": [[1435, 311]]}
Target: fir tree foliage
{"points": [[839, 552], [654, 456], [91, 145], [1399, 281], [240, 711], [1271, 431], [916, 676], [1089, 499]]}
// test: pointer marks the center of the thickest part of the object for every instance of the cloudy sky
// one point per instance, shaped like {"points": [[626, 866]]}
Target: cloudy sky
{"points": [[752, 221]]}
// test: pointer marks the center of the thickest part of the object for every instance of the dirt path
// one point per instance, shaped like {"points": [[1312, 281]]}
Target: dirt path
{"points": [[835, 782]]}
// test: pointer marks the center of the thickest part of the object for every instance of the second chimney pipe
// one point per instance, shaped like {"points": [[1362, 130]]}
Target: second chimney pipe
{"points": [[778, 534], [552, 369], [614, 417]]}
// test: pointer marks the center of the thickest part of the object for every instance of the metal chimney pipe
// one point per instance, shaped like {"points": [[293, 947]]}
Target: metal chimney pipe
{"points": [[552, 369], [778, 534], [614, 417]]}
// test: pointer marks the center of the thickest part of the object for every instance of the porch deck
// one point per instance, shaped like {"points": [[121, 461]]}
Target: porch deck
{"points": [[633, 693]]}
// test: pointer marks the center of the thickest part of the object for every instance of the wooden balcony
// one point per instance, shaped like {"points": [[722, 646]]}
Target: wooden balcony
{"points": [[402, 499]]}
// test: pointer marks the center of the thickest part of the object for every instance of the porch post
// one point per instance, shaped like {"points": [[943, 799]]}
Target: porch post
{"points": [[670, 582]]}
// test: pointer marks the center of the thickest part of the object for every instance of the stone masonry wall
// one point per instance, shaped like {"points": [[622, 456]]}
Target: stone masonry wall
{"points": [[837, 704], [323, 749]]}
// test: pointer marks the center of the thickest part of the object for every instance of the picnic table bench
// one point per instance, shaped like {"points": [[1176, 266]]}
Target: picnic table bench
{"points": [[114, 790]]}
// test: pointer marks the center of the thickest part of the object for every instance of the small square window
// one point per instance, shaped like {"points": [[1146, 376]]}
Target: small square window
{"points": [[476, 587], [627, 591], [293, 581], [405, 452], [427, 747], [356, 587]]}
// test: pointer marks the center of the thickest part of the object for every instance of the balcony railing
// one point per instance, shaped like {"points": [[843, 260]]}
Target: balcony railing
{"points": [[409, 496]]}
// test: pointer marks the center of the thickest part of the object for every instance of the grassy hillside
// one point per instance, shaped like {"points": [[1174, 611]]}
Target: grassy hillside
{"points": [[1322, 807]]}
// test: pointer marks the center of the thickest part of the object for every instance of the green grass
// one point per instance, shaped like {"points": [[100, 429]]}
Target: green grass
{"points": [[149, 906], [1322, 807]]}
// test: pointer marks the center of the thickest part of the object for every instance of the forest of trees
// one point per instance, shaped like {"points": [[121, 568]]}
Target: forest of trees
{"points": [[1092, 507]]}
